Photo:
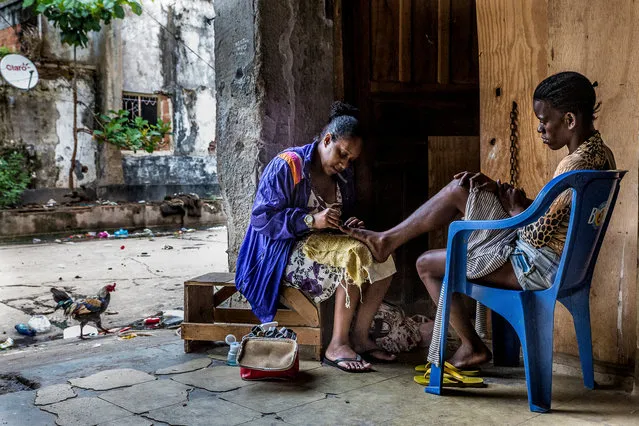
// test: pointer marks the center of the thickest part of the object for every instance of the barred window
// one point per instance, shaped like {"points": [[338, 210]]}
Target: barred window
{"points": [[145, 106]]}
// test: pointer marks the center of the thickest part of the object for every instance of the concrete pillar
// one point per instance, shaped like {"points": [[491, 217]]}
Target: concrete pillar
{"points": [[274, 73], [110, 98]]}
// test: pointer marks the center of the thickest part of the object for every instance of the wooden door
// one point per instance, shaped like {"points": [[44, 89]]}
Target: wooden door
{"points": [[411, 66]]}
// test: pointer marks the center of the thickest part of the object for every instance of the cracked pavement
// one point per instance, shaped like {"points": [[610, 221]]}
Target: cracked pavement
{"points": [[149, 277]]}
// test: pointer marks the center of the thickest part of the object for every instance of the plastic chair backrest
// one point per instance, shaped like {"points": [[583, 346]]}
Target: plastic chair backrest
{"points": [[593, 201]]}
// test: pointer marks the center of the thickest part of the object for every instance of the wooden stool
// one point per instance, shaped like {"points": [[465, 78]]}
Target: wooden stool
{"points": [[206, 320]]}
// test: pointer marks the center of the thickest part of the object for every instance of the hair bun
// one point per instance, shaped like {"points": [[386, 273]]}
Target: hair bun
{"points": [[595, 84], [339, 109]]}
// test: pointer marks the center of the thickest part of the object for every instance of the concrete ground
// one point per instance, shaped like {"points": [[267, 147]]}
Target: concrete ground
{"points": [[150, 380], [149, 276]]}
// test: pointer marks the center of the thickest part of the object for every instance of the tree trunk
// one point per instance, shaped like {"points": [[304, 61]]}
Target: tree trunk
{"points": [[75, 119]]}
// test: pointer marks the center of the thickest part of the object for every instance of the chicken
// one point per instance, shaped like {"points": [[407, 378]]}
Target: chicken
{"points": [[84, 310]]}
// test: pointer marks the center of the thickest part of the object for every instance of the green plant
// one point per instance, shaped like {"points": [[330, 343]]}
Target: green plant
{"points": [[76, 18], [4, 51], [14, 178], [137, 134]]}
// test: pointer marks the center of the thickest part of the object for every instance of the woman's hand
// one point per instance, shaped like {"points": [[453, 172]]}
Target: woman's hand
{"points": [[354, 222], [480, 181], [512, 199], [328, 218]]}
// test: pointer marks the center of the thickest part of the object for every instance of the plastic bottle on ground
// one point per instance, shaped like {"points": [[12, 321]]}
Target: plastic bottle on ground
{"points": [[25, 330]]}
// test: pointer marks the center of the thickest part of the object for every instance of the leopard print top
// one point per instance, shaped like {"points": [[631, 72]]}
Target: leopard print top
{"points": [[551, 229]]}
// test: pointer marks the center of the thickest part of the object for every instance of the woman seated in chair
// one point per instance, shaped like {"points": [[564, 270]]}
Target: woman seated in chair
{"points": [[528, 258], [302, 191]]}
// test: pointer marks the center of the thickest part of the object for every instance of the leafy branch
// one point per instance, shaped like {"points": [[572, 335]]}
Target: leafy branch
{"points": [[137, 134]]}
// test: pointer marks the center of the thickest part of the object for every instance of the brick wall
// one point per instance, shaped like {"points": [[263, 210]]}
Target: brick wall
{"points": [[9, 38]]}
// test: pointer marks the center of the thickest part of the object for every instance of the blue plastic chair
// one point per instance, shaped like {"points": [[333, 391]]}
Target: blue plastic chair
{"points": [[531, 313]]}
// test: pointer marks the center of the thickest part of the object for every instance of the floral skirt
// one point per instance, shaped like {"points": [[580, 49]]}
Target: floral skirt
{"points": [[319, 281]]}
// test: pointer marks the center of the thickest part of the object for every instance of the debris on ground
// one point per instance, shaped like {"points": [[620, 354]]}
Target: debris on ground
{"points": [[36, 240], [121, 233], [6, 344], [165, 319], [167, 247], [25, 330], [74, 331], [39, 323]]}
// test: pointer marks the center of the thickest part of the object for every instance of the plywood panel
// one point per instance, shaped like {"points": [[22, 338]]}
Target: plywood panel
{"points": [[523, 41], [447, 156], [602, 42], [513, 37]]}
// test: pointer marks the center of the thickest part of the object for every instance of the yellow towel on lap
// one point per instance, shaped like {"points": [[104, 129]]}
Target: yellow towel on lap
{"points": [[340, 251]]}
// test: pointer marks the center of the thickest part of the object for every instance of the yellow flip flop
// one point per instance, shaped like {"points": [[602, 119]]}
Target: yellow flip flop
{"points": [[422, 368], [452, 380]]}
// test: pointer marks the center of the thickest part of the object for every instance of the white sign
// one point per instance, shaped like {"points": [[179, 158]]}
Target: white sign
{"points": [[19, 72]]}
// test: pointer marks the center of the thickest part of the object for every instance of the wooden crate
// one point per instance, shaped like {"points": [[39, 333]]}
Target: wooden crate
{"points": [[205, 320]]}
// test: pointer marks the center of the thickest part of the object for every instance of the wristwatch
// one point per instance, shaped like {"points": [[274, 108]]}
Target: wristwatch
{"points": [[309, 220]]}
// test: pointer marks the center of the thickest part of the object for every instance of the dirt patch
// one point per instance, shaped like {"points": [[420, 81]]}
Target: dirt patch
{"points": [[11, 382]]}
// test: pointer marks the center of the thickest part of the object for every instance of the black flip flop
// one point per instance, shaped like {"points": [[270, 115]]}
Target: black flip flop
{"points": [[335, 363], [368, 356]]}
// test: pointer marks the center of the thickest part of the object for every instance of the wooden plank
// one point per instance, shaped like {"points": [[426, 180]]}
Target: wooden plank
{"points": [[198, 304], [284, 317], [464, 54], [222, 294], [384, 40], [602, 42], [405, 44], [213, 278], [295, 300], [217, 332], [447, 156], [513, 39], [425, 36], [443, 41]]}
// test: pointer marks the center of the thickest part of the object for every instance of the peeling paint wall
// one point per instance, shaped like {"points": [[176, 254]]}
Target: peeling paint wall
{"points": [[41, 119], [168, 50], [158, 57]]}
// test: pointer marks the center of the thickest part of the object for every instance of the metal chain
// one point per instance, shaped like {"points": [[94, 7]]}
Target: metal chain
{"points": [[514, 145]]}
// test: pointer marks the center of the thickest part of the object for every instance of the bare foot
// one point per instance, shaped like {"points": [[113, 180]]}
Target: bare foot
{"points": [[469, 356], [373, 352], [426, 331], [335, 352], [373, 240]]}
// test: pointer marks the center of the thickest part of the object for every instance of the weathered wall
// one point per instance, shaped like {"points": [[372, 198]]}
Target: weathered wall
{"points": [[146, 54], [41, 119], [275, 86], [521, 42], [169, 67]]}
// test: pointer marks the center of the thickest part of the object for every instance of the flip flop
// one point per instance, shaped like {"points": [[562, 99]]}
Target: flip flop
{"points": [[335, 363], [448, 366], [452, 380], [368, 356]]}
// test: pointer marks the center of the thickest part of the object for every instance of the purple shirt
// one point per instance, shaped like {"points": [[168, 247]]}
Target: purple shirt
{"points": [[277, 221]]}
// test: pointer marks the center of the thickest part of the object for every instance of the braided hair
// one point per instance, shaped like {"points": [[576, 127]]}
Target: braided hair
{"points": [[569, 91]]}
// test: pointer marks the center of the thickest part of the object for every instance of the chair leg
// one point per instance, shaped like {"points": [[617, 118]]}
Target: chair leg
{"points": [[505, 342], [578, 304], [441, 323], [537, 348]]}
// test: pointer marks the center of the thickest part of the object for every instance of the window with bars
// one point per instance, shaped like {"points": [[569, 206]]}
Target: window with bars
{"points": [[145, 106]]}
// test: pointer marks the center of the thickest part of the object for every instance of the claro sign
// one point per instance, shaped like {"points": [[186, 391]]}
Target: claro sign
{"points": [[19, 72]]}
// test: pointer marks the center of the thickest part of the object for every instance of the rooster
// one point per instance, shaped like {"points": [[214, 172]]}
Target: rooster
{"points": [[84, 310]]}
